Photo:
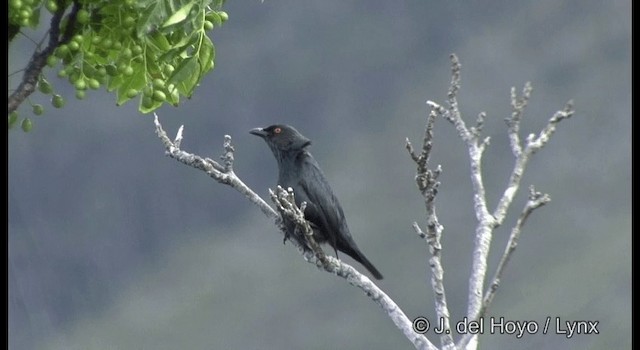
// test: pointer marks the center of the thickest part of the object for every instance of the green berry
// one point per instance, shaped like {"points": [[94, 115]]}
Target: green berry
{"points": [[94, 84], [101, 71], [168, 69], [214, 18], [62, 51], [83, 16], [13, 117], [15, 4], [57, 101], [80, 94], [147, 102], [38, 109], [128, 71], [107, 43], [158, 83], [44, 86], [111, 70], [25, 13], [137, 49], [127, 52], [208, 25], [26, 125], [131, 93], [223, 16], [73, 45], [52, 60], [159, 96], [52, 6], [80, 84]]}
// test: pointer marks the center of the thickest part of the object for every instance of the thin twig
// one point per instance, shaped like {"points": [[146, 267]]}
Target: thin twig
{"points": [[523, 155], [426, 180], [213, 169]]}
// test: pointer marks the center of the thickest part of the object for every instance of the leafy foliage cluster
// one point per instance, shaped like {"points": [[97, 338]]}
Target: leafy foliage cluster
{"points": [[156, 51]]}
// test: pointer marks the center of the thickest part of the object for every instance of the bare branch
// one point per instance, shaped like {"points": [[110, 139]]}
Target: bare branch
{"points": [[409, 148], [285, 203], [513, 122], [453, 113], [472, 137], [545, 134], [178, 140], [533, 145], [227, 157], [213, 169], [418, 230], [536, 200], [454, 86], [426, 179], [476, 131], [483, 232]]}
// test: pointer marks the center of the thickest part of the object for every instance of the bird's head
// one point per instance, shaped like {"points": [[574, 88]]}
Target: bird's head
{"points": [[282, 138]]}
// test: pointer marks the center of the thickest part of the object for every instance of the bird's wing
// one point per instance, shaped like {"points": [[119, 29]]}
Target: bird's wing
{"points": [[324, 210], [323, 207]]}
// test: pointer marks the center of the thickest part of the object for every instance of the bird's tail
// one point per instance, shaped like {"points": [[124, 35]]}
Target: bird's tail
{"points": [[357, 255], [366, 263]]}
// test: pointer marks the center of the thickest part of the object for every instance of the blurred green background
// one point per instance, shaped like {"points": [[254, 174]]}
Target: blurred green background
{"points": [[114, 246]]}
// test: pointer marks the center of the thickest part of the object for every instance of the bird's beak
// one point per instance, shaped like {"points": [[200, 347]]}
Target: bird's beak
{"points": [[258, 132]]}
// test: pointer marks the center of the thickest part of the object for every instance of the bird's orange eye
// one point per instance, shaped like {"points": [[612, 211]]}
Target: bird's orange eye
{"points": [[277, 130]]}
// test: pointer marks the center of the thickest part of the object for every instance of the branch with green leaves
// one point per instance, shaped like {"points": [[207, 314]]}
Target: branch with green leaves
{"points": [[154, 51]]}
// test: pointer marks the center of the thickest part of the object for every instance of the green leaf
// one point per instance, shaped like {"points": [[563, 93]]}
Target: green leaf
{"points": [[147, 21], [135, 82], [115, 82], [158, 41], [179, 15], [206, 55], [174, 97], [179, 48], [186, 76]]}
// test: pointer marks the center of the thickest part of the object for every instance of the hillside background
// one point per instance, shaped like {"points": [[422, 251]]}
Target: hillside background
{"points": [[111, 245]]}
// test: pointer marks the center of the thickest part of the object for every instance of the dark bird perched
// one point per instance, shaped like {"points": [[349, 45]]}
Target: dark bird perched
{"points": [[297, 169]]}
